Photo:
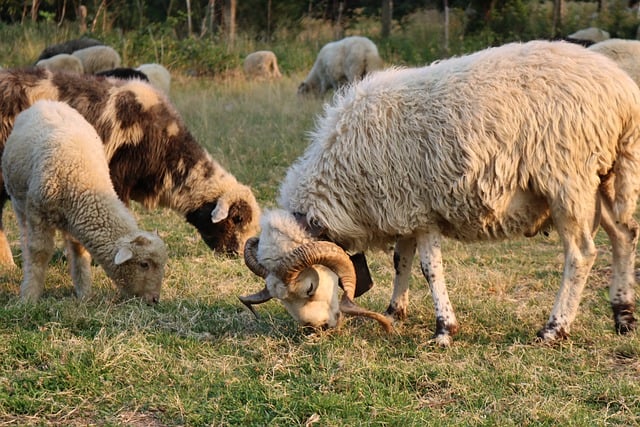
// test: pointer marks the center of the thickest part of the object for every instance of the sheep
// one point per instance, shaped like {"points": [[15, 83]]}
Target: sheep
{"points": [[62, 62], [340, 62], [503, 142], [591, 34], [153, 158], [57, 176], [262, 64], [98, 58], [124, 73], [158, 76], [68, 47], [626, 53]]}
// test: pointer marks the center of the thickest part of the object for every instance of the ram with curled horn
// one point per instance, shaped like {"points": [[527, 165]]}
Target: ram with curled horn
{"points": [[498, 144], [307, 279]]}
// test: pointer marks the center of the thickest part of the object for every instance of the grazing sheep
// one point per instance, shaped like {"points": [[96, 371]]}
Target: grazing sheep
{"points": [[501, 143], [68, 47], [62, 62], [124, 73], [98, 58], [626, 53], [153, 158], [341, 62], [158, 76], [57, 176], [591, 34], [262, 64]]}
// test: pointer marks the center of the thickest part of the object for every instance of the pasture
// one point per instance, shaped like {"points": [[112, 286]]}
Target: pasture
{"points": [[200, 358]]}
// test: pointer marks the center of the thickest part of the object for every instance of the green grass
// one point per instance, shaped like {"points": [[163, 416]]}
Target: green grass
{"points": [[199, 358]]}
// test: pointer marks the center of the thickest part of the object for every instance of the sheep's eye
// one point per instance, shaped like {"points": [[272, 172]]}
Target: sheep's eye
{"points": [[311, 290], [314, 223], [144, 265], [237, 219]]}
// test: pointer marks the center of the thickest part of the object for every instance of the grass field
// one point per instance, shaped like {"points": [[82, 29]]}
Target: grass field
{"points": [[199, 358]]}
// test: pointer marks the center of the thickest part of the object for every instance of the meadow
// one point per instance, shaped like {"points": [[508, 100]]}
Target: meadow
{"points": [[199, 358]]}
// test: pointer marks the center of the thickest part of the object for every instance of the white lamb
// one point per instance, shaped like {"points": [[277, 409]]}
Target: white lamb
{"points": [[262, 64], [592, 34], [62, 62], [501, 143], [98, 58], [340, 62], [57, 176], [158, 76], [626, 53]]}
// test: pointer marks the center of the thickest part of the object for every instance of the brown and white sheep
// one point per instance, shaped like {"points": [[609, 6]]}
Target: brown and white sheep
{"points": [[57, 175], [153, 158], [504, 142]]}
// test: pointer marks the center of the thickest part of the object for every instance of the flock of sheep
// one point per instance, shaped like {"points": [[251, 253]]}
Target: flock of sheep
{"points": [[503, 142]]}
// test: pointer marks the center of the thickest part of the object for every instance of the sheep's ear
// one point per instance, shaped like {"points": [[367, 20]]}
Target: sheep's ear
{"points": [[123, 255], [220, 212]]}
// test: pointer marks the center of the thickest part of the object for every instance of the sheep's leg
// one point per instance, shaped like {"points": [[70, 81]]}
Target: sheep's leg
{"points": [[624, 239], [37, 249], [6, 258], [79, 266], [429, 246], [402, 258], [579, 255]]}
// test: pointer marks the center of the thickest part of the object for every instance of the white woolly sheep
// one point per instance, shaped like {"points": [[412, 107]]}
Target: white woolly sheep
{"points": [[626, 53], [158, 76], [57, 176], [98, 58], [62, 62], [504, 142], [68, 47], [592, 34], [262, 64], [153, 158], [340, 62]]}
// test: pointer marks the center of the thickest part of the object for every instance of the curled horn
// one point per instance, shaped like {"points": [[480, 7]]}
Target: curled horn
{"points": [[251, 260], [332, 256]]}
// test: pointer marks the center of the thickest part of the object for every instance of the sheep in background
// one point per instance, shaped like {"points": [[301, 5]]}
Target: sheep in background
{"points": [[68, 47], [341, 62], [62, 62], [262, 64], [153, 158], [98, 58], [501, 143], [626, 53], [591, 34], [57, 176], [158, 76]]}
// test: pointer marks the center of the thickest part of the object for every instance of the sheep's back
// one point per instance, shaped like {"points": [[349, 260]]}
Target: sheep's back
{"points": [[457, 140]]}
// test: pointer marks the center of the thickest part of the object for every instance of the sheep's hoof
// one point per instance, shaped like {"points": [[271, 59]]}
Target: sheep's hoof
{"points": [[552, 332], [443, 340], [624, 318], [396, 313]]}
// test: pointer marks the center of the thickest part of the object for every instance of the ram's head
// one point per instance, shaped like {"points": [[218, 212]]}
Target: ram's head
{"points": [[307, 281]]}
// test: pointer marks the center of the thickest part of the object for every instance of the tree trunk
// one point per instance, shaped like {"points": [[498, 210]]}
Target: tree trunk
{"points": [[558, 7], [189, 26], [230, 19], [35, 6], [446, 26], [387, 15]]}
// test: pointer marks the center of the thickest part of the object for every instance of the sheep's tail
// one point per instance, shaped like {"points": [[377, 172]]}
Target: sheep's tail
{"points": [[627, 173]]}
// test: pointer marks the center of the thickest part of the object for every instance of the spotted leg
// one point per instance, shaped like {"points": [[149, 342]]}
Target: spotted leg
{"points": [[575, 231], [624, 238], [429, 247], [403, 254], [6, 258]]}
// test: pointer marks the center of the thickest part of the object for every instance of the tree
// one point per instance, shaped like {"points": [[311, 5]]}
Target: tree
{"points": [[386, 17]]}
